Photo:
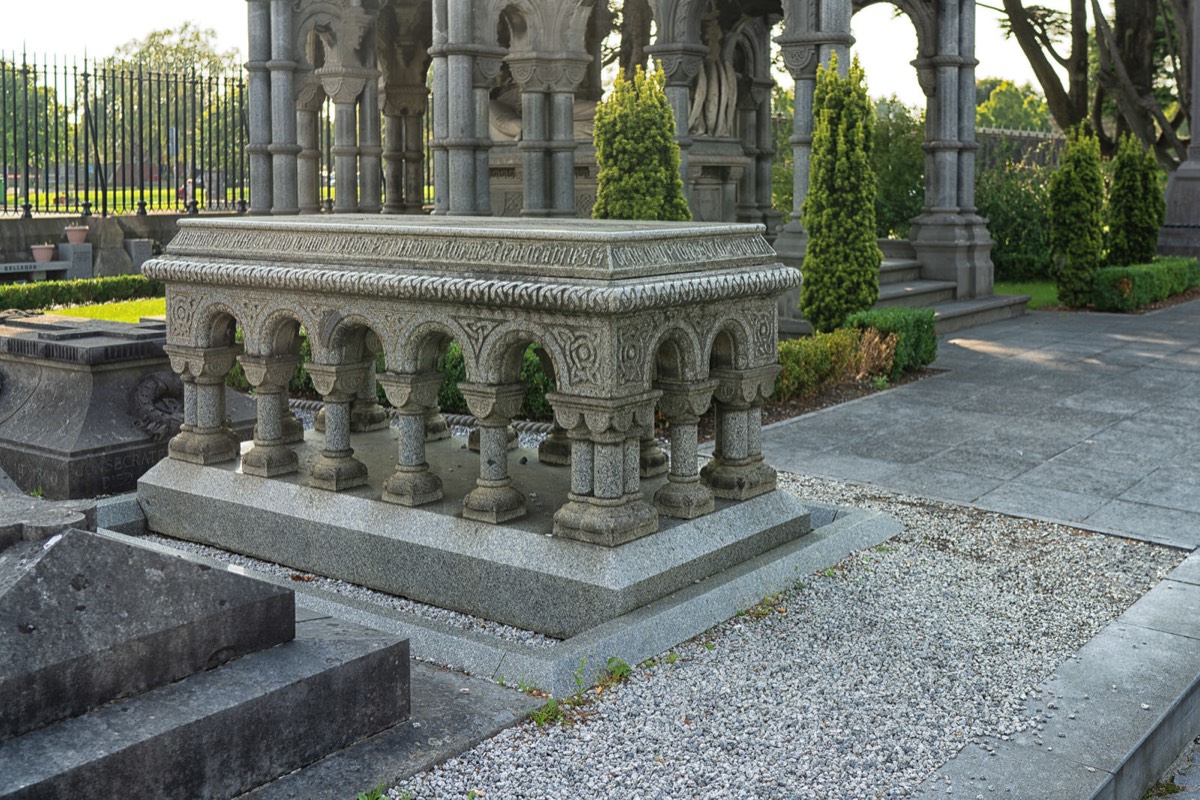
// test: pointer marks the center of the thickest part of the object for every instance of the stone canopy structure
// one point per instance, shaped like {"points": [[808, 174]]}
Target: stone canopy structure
{"points": [[511, 80]]}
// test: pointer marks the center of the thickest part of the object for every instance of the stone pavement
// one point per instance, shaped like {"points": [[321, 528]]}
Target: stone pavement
{"points": [[1087, 419], [1092, 420]]}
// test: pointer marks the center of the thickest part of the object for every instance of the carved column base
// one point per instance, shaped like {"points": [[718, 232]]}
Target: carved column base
{"points": [[495, 503], [436, 428], [267, 461], [652, 460], [336, 473], [214, 446], [473, 439], [555, 449], [738, 481], [684, 499], [607, 523], [412, 487]]}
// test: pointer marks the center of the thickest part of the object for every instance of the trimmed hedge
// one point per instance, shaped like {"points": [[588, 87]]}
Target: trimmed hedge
{"points": [[916, 337], [819, 361], [46, 294], [1130, 288]]}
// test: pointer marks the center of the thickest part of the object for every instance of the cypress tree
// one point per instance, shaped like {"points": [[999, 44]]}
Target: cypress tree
{"points": [[637, 153], [841, 264], [1135, 206], [1076, 211]]}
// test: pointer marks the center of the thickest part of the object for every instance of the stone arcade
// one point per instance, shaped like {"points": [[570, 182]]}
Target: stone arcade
{"points": [[514, 83], [629, 317]]}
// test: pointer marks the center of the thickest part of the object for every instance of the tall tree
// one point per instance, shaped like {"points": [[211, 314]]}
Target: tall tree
{"points": [[184, 49], [1041, 31]]}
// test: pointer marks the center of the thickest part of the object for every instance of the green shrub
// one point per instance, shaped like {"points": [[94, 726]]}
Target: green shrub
{"points": [[916, 336], [1132, 287], [537, 384], [1136, 206], [42, 295], [898, 160], [1013, 196], [841, 265], [636, 152], [815, 363], [1076, 210]]}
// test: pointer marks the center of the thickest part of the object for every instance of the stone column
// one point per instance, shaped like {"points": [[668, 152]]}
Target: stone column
{"points": [[343, 87], [747, 199], [979, 256], [737, 471], [494, 499], [684, 496], [605, 505], [1180, 234], [404, 149], [337, 469], [535, 134], [766, 156], [487, 68], [370, 147], [681, 63], [283, 146], [207, 439], [308, 138], [412, 484], [460, 142], [568, 74], [555, 449], [259, 86], [365, 412], [441, 108], [269, 375]]}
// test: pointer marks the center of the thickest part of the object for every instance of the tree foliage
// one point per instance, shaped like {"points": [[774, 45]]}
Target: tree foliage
{"points": [[841, 264], [188, 48], [637, 154], [1076, 210], [1013, 195], [1012, 107], [1136, 206], [898, 160]]}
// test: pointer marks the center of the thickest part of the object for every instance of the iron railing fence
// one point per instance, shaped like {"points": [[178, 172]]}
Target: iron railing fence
{"points": [[85, 137]]}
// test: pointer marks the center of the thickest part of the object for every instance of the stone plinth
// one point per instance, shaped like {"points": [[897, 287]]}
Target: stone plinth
{"points": [[87, 406]]}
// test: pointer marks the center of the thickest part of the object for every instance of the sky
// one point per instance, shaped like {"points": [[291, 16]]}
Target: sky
{"points": [[885, 44]]}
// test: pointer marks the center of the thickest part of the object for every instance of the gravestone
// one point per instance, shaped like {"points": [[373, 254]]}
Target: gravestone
{"points": [[129, 672], [87, 406]]}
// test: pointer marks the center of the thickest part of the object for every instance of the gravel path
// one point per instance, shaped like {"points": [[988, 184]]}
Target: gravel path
{"points": [[857, 683]]}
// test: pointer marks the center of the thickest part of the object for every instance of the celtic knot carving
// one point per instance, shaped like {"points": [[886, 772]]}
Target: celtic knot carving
{"points": [[157, 405]]}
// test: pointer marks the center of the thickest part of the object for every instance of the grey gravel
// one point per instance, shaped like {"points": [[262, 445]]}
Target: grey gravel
{"points": [[857, 683]]}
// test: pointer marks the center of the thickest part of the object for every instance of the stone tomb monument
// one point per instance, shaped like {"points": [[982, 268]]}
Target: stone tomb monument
{"points": [[125, 672], [631, 318], [87, 406]]}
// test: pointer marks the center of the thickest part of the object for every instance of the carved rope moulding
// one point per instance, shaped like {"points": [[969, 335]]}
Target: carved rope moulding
{"points": [[645, 294]]}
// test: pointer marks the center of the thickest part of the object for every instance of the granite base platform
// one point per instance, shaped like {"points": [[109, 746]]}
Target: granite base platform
{"points": [[515, 573]]}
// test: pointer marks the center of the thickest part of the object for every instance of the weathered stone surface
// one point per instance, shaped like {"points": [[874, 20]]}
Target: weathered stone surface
{"points": [[85, 619], [225, 731], [31, 519], [87, 406]]}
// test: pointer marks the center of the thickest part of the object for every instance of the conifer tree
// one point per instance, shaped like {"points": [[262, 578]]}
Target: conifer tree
{"points": [[1077, 218], [841, 264], [637, 154], [1135, 206]]}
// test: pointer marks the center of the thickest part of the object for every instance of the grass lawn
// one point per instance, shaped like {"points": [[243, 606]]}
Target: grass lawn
{"points": [[1041, 293], [129, 311]]}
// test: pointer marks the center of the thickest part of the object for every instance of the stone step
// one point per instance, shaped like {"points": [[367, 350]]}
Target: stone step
{"points": [[899, 270], [960, 314], [897, 248], [225, 731], [915, 294]]}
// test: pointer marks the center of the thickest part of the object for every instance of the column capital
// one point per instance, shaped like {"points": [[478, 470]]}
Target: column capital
{"points": [[399, 101], [344, 84], [338, 383], [596, 418], [493, 405], [744, 387], [548, 72], [204, 365], [684, 402], [411, 393], [268, 373], [680, 63]]}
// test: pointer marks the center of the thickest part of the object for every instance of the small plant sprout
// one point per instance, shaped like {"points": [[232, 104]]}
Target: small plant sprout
{"points": [[372, 794], [672, 657], [617, 669]]}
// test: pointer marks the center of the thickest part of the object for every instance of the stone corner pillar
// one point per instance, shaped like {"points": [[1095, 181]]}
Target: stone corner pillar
{"points": [[1180, 234], [737, 470], [204, 437]]}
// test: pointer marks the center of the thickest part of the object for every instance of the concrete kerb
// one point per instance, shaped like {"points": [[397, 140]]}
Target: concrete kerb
{"points": [[1113, 717], [634, 637]]}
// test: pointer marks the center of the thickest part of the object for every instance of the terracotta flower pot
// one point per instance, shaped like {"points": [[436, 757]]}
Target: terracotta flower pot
{"points": [[42, 253], [77, 234]]}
